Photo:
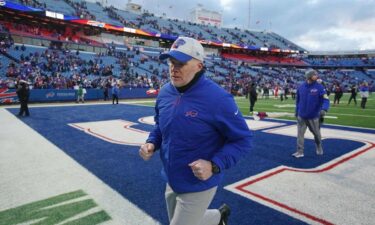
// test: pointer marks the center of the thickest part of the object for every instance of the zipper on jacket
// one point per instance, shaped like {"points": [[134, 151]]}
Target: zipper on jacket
{"points": [[176, 104]]}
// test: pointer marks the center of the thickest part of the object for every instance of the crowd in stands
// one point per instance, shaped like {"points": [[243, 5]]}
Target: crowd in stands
{"points": [[114, 15], [6, 40], [63, 69], [81, 9], [33, 3], [60, 68], [50, 32], [341, 61]]}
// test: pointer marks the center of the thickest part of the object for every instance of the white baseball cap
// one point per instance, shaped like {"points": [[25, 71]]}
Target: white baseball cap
{"points": [[184, 49]]}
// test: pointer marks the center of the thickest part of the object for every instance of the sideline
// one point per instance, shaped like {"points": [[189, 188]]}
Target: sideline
{"points": [[29, 163]]}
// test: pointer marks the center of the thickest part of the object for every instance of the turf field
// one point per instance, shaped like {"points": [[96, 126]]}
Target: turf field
{"points": [[341, 114], [348, 115]]}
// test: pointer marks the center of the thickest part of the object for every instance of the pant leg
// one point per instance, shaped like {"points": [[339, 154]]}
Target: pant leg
{"points": [[22, 108], [252, 103], [314, 127], [350, 99], [364, 102], [191, 208], [301, 129], [170, 199], [27, 113]]}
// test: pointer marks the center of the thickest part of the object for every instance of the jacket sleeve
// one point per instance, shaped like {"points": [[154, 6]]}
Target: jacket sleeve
{"points": [[326, 103], [297, 102], [155, 136], [238, 137]]}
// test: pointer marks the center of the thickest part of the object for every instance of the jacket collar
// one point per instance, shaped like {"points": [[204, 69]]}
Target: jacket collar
{"points": [[184, 88]]}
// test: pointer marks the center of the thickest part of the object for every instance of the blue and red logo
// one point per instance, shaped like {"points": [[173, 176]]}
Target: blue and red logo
{"points": [[8, 96], [191, 113], [50, 94], [178, 43]]}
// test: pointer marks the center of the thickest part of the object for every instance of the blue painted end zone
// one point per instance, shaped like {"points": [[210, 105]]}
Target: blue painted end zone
{"points": [[121, 168]]}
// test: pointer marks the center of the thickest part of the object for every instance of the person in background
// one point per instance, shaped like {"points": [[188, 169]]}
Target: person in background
{"points": [[23, 94], [253, 96], [81, 94], [115, 92], [353, 94], [106, 92], [364, 92], [312, 103], [281, 93], [338, 94], [200, 132]]}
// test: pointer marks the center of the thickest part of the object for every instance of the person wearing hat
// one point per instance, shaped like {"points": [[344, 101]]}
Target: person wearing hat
{"points": [[353, 94], [364, 92], [23, 94], [312, 103], [253, 96], [199, 132]]}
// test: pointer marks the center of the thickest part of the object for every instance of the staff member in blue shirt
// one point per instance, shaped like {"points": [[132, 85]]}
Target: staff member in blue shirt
{"points": [[115, 93], [312, 103], [200, 132]]}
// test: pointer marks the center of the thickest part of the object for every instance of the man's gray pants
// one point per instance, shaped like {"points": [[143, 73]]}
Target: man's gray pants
{"points": [[314, 127], [191, 208]]}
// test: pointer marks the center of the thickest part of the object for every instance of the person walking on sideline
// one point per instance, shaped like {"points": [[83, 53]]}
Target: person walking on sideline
{"points": [[312, 103], [364, 92], [353, 94], [23, 94], [253, 96], [81, 94], [115, 91], [198, 138]]}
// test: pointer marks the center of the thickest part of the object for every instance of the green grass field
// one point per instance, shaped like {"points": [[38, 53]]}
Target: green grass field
{"points": [[348, 115]]}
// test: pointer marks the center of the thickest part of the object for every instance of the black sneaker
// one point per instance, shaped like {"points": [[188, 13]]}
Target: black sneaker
{"points": [[225, 213]]}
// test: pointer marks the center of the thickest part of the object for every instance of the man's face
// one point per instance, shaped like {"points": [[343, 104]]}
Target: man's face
{"points": [[314, 77], [182, 73]]}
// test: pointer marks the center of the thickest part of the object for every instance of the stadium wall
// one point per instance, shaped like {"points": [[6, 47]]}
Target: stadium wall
{"points": [[56, 95]]}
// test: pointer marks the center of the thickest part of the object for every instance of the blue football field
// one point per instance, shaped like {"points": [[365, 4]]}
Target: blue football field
{"points": [[268, 186]]}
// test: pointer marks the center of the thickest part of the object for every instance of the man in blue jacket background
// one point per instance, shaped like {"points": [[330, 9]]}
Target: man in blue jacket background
{"points": [[200, 132], [312, 103]]}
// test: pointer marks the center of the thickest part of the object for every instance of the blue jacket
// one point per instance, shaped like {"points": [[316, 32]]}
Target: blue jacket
{"points": [[311, 99], [202, 123], [115, 90]]}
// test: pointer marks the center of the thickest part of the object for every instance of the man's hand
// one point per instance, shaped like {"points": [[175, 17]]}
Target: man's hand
{"points": [[202, 169], [146, 151]]}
